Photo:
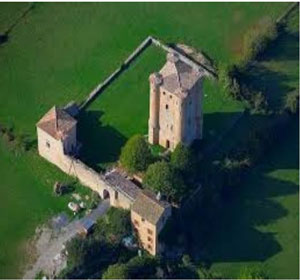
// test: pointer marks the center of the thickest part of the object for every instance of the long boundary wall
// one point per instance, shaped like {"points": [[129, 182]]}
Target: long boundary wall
{"points": [[138, 51]]}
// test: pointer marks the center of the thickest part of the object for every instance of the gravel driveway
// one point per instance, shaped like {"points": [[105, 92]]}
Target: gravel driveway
{"points": [[50, 244]]}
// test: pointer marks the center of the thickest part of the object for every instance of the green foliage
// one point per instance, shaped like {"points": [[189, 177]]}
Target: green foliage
{"points": [[184, 160], [143, 267], [113, 226], [136, 154], [258, 102], [252, 273], [86, 256], [257, 39], [292, 102], [162, 177], [116, 271]]}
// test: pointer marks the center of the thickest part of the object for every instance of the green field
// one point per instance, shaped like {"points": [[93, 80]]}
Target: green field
{"points": [[59, 52]]}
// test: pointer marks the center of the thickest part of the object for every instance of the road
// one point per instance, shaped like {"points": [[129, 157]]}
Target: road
{"points": [[48, 259]]}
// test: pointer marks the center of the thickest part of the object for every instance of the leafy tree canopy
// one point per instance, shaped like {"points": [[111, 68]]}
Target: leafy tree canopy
{"points": [[114, 225], [162, 177], [184, 160], [136, 154]]}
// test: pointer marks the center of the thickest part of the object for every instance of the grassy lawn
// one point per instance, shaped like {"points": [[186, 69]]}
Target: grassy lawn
{"points": [[123, 110], [59, 52]]}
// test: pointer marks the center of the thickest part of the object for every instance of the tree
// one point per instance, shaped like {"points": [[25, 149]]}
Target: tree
{"points": [[184, 160], [143, 267], [292, 102], [86, 256], [116, 271], [114, 226], [162, 177], [136, 154]]}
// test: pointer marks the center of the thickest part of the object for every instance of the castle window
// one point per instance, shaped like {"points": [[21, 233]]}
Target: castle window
{"points": [[143, 220], [171, 96], [149, 231], [47, 144], [167, 106], [164, 93], [149, 247], [136, 223], [171, 127], [149, 239], [116, 195]]}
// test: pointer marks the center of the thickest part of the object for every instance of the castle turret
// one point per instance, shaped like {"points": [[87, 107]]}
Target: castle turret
{"points": [[155, 82]]}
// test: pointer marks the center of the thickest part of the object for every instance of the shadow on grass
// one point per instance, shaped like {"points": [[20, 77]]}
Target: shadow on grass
{"points": [[269, 73], [233, 234], [100, 144]]}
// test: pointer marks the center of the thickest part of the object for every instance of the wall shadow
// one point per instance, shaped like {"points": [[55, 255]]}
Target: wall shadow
{"points": [[101, 144]]}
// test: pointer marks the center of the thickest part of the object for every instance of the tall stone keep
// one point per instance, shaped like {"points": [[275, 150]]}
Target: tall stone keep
{"points": [[176, 96]]}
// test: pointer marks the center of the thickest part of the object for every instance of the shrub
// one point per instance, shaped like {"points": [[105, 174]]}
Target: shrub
{"points": [[114, 226], [258, 102], [162, 177], [116, 271], [136, 154], [251, 273], [257, 39], [292, 102], [142, 267]]}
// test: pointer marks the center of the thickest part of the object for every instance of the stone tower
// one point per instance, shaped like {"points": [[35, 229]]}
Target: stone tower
{"points": [[175, 103]]}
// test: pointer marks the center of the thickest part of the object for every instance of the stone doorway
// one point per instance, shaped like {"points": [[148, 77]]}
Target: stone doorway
{"points": [[106, 194]]}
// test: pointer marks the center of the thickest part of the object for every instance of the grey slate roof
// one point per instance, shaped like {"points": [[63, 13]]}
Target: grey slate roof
{"points": [[179, 77], [118, 181], [148, 207]]}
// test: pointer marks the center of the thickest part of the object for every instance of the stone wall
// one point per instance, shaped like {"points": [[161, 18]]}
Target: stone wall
{"points": [[53, 150]]}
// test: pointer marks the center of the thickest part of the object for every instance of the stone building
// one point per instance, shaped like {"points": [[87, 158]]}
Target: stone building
{"points": [[175, 104], [148, 216], [56, 132]]}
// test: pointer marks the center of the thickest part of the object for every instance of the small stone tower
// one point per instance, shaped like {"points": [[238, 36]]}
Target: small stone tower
{"points": [[175, 103]]}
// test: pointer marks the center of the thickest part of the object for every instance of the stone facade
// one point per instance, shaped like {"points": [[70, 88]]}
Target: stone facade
{"points": [[148, 216], [175, 104]]}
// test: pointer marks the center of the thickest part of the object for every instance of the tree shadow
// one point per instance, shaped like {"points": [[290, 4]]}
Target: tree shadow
{"points": [[235, 232], [100, 144], [269, 73]]}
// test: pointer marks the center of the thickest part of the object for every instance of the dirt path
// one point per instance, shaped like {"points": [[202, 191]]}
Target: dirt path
{"points": [[50, 244]]}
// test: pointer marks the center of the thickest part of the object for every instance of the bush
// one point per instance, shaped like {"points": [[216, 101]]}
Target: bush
{"points": [[142, 267], [257, 39], [258, 102], [162, 177], [116, 271], [251, 273], [136, 154], [292, 102], [113, 226]]}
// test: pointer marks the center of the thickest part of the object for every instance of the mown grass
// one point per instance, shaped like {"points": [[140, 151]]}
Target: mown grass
{"points": [[59, 52]]}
